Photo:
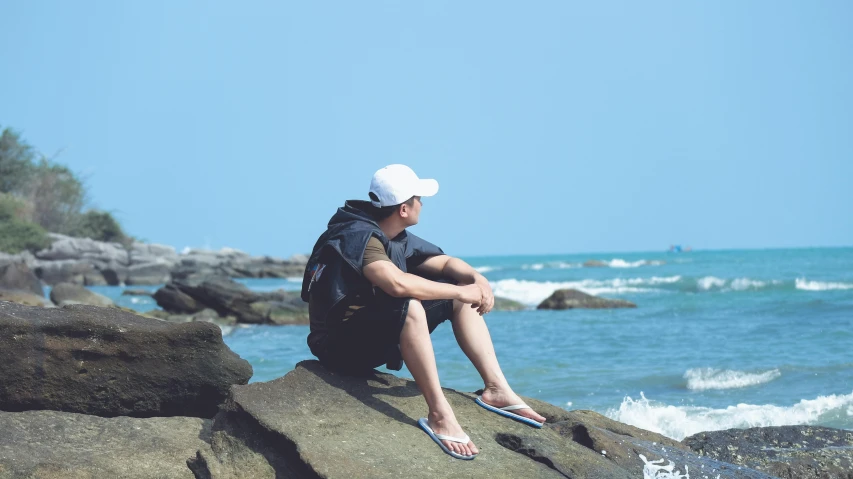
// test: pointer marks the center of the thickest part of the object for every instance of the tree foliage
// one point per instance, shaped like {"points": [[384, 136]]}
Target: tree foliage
{"points": [[99, 225], [38, 195]]}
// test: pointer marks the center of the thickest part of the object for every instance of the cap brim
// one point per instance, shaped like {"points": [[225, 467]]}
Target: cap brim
{"points": [[427, 187]]}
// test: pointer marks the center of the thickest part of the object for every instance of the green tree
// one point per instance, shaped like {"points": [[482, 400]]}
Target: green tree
{"points": [[16, 162], [99, 225], [17, 235], [57, 197]]}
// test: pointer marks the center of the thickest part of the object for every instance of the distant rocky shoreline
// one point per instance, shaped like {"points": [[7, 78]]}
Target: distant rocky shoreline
{"points": [[88, 262]]}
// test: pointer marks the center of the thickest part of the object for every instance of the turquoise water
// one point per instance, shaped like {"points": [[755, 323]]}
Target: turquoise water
{"points": [[719, 339]]}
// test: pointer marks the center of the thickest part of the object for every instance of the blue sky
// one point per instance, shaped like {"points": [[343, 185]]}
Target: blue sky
{"points": [[552, 127]]}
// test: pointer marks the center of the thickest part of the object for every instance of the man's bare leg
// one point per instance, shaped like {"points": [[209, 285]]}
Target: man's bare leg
{"points": [[474, 339], [416, 348]]}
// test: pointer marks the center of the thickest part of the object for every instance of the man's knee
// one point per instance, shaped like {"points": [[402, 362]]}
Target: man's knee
{"points": [[416, 313]]}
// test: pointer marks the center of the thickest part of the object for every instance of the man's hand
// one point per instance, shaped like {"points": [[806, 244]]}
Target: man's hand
{"points": [[488, 296], [471, 294]]}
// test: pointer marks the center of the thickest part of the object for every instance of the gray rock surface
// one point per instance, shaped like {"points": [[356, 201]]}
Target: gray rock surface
{"points": [[61, 445], [25, 298], [572, 298], [66, 293], [18, 276], [789, 452], [108, 362], [89, 262], [230, 298], [594, 263], [314, 423]]}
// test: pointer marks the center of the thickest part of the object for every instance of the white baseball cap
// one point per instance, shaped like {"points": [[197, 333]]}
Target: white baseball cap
{"points": [[395, 184]]}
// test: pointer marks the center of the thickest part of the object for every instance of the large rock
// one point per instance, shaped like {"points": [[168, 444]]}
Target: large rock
{"points": [[28, 299], [506, 304], [66, 293], [230, 298], [69, 248], [572, 298], [789, 452], [60, 445], [19, 277], [313, 423], [108, 362], [67, 271], [156, 272]]}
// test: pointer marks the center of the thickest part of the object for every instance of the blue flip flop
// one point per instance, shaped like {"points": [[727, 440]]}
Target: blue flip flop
{"points": [[424, 424], [505, 411]]}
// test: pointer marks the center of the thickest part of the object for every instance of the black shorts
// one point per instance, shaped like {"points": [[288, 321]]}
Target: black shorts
{"points": [[371, 336]]}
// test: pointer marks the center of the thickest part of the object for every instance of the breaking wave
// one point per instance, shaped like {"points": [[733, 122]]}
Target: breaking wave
{"points": [[551, 265], [621, 263], [534, 292], [805, 285], [679, 422], [700, 379]]}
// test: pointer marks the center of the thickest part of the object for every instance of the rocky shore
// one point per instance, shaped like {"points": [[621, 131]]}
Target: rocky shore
{"points": [[91, 392], [88, 262]]}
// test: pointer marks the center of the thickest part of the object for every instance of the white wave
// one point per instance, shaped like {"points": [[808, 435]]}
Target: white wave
{"points": [[679, 422], [293, 279], [533, 292], [621, 263], [484, 269], [700, 379], [709, 282], [554, 264], [742, 284], [805, 285]]}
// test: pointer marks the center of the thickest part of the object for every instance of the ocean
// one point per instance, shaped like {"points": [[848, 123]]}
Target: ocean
{"points": [[720, 339]]}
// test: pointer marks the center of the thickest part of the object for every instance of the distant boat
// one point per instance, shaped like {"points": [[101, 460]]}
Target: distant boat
{"points": [[677, 248]]}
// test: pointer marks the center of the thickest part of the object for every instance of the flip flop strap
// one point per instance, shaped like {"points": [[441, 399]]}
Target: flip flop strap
{"points": [[464, 439], [515, 407]]}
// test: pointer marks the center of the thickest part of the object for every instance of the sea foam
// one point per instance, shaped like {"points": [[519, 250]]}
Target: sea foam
{"points": [[679, 422], [534, 292], [805, 285], [700, 379]]}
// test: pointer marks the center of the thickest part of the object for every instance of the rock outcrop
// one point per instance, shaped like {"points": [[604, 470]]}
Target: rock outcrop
{"points": [[108, 362], [17, 276], [594, 263], [93, 263], [60, 445], [506, 304], [313, 423], [230, 298], [67, 293], [572, 298], [788, 452]]}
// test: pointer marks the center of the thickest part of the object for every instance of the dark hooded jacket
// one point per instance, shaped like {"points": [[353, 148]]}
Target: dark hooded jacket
{"points": [[334, 273]]}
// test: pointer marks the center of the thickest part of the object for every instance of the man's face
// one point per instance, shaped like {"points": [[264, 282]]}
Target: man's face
{"points": [[413, 212]]}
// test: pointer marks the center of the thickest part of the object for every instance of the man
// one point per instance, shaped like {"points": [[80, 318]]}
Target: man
{"points": [[376, 292]]}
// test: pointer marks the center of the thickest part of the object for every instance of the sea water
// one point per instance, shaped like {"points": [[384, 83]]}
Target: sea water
{"points": [[720, 339]]}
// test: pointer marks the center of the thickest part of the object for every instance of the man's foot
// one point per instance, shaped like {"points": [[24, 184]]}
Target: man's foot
{"points": [[446, 424], [499, 398]]}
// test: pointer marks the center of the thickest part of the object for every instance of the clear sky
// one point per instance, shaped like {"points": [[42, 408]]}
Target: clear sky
{"points": [[552, 127]]}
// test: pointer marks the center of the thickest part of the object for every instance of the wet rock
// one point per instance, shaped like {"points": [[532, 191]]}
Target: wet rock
{"points": [[108, 362], [594, 263], [54, 445], [67, 293], [505, 304], [230, 298], [572, 298], [136, 292], [789, 452]]}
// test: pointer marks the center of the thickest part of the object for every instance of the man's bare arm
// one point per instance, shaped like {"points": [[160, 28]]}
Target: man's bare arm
{"points": [[389, 278], [460, 271]]}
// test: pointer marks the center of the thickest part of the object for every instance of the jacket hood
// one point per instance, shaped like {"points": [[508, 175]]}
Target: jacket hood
{"points": [[355, 210]]}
